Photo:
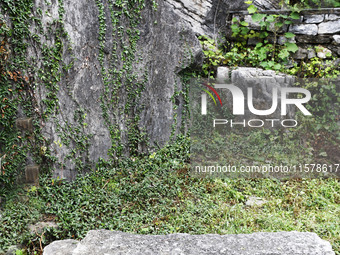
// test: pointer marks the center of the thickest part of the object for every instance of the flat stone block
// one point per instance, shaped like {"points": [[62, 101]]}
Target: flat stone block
{"points": [[313, 39], [304, 29], [312, 19], [332, 17], [222, 74], [282, 40], [25, 124], [330, 27], [32, 174], [113, 243]]}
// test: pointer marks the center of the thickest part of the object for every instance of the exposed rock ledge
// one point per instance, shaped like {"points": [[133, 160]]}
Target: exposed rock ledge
{"points": [[107, 242]]}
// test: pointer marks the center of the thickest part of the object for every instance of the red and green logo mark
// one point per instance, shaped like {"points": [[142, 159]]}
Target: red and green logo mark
{"points": [[214, 91]]}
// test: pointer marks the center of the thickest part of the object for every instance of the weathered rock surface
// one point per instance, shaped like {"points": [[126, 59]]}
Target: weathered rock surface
{"points": [[40, 226], [314, 18], [312, 40], [336, 38], [255, 201], [114, 243], [194, 12], [331, 17], [167, 45], [323, 52], [329, 27], [304, 29]]}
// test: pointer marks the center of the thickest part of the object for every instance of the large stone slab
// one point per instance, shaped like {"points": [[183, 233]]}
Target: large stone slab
{"points": [[112, 242]]}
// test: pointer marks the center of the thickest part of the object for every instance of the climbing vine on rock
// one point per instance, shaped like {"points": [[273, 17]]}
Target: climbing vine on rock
{"points": [[24, 74], [122, 84]]}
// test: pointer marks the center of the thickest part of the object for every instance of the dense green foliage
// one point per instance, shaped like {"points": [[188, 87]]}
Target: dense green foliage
{"points": [[156, 195]]}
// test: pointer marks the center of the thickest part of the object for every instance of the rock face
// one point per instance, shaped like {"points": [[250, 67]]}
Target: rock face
{"points": [[115, 95], [314, 18], [98, 92], [112, 243], [194, 12], [165, 47], [304, 29], [329, 27]]}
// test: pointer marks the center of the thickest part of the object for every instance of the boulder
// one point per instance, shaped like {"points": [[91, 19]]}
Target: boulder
{"points": [[114, 242]]}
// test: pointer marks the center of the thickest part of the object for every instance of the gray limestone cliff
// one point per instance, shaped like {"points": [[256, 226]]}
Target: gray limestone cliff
{"points": [[106, 76]]}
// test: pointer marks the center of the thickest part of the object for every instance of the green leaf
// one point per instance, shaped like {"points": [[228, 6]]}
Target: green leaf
{"points": [[244, 30], [283, 54], [263, 23], [264, 64], [264, 34], [289, 35], [270, 18], [248, 2], [294, 15], [243, 23], [278, 24], [258, 17], [277, 66], [291, 47], [235, 28], [271, 63], [252, 9]]}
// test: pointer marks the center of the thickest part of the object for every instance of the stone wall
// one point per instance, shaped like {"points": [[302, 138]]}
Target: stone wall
{"points": [[317, 32]]}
